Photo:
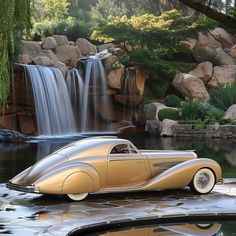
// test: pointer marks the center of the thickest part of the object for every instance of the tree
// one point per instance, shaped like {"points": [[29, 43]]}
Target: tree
{"points": [[14, 19], [210, 12]]}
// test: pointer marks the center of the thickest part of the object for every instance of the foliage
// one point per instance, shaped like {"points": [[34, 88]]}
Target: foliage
{"points": [[105, 8], [52, 10], [223, 98], [14, 18], [200, 113], [72, 27], [172, 100], [168, 113]]}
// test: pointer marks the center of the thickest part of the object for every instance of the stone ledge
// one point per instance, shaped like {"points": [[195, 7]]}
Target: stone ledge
{"points": [[182, 130]]}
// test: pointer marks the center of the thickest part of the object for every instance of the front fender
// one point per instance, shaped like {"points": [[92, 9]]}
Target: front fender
{"points": [[181, 175], [73, 177]]}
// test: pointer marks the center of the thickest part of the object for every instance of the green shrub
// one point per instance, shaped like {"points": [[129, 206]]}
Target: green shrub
{"points": [[191, 110], [214, 114], [172, 101], [223, 98], [168, 113]]}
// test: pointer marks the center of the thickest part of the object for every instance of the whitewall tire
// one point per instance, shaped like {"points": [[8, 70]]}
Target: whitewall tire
{"points": [[77, 197], [203, 181]]}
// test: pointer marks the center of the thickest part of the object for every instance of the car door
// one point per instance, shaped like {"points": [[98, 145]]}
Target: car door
{"points": [[126, 166]]}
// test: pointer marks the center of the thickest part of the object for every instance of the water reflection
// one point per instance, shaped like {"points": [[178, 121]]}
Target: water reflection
{"points": [[17, 157], [196, 229]]}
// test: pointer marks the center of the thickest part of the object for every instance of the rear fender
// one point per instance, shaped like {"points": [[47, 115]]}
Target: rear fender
{"points": [[181, 175], [72, 177]]}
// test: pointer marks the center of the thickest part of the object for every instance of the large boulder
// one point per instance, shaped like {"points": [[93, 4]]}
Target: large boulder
{"points": [[207, 40], [226, 39], [223, 76], [128, 100], [31, 48], [61, 66], [203, 53], [109, 62], [203, 71], [105, 46], [61, 39], [166, 127], [190, 86], [230, 113], [85, 46], [49, 43], [68, 54], [151, 110], [43, 61], [48, 53], [140, 80], [26, 123], [24, 59], [116, 77], [223, 58]]}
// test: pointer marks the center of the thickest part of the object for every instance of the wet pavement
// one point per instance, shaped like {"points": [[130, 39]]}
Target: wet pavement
{"points": [[30, 214]]}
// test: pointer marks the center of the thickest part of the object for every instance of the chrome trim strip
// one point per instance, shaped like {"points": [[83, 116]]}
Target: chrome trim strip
{"points": [[22, 188]]}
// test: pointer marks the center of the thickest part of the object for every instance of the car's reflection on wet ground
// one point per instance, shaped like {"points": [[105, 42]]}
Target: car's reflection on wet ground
{"points": [[29, 214]]}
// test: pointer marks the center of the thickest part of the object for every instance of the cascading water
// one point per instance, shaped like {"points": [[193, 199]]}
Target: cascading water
{"points": [[75, 86], [53, 108], [95, 94]]}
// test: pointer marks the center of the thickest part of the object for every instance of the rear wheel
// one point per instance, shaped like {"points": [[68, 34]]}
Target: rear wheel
{"points": [[76, 197], [203, 181]]}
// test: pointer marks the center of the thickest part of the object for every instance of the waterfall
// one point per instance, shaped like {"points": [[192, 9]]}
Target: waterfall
{"points": [[95, 97], [53, 108], [75, 86]]}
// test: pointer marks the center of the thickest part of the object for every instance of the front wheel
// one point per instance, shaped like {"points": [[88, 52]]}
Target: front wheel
{"points": [[203, 181], [76, 197]]}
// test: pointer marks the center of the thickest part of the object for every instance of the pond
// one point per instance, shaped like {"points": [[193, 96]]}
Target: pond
{"points": [[17, 157], [190, 229]]}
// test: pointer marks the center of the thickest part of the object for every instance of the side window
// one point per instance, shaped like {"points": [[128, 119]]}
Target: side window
{"points": [[133, 150], [120, 148]]}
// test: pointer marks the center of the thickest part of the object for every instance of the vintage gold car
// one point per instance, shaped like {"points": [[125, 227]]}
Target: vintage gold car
{"points": [[109, 164]]}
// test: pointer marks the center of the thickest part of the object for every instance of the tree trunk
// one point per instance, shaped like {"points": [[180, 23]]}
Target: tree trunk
{"points": [[213, 14]]}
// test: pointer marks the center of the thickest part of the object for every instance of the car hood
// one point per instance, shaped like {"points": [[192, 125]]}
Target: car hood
{"points": [[41, 168]]}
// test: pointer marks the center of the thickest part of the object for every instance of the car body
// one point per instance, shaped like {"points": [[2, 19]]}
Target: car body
{"points": [[109, 164]]}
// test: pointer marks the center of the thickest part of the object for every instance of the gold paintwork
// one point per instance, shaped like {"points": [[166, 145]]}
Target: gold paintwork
{"points": [[168, 230], [93, 165]]}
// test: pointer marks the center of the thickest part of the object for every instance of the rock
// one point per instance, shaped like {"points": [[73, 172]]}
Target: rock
{"points": [[60, 39], [226, 39], [230, 113], [166, 127], [69, 55], [8, 121], [48, 53], [190, 86], [223, 58], [26, 122], [105, 46], [202, 53], [116, 51], [129, 100], [153, 127], [109, 62], [12, 136], [85, 46], [43, 61], [31, 49], [61, 66], [49, 43], [233, 51], [203, 71], [140, 80], [72, 43], [151, 110], [223, 76], [191, 43], [115, 77], [24, 59], [207, 40]]}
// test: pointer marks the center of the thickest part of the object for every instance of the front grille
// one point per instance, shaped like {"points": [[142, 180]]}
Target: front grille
{"points": [[22, 188]]}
